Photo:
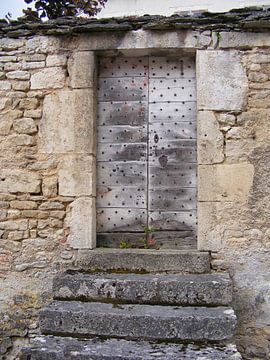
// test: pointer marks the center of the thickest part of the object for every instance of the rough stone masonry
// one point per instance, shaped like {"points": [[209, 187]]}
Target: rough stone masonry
{"points": [[47, 157]]}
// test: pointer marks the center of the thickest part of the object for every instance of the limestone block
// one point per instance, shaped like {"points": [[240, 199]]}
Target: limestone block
{"points": [[15, 140], [243, 40], [234, 133], [21, 85], [32, 57], [209, 235], [226, 119], [12, 66], [35, 114], [5, 85], [56, 60], [82, 69], [16, 236], [25, 126], [14, 214], [14, 225], [3, 214], [67, 124], [248, 117], [11, 44], [50, 78], [51, 205], [5, 102], [18, 75], [260, 58], [6, 120], [257, 76], [28, 104], [16, 180], [43, 44], [81, 220], [8, 58], [49, 186], [77, 175], [23, 205], [255, 67], [33, 65], [210, 139], [221, 81], [225, 182], [141, 39]]}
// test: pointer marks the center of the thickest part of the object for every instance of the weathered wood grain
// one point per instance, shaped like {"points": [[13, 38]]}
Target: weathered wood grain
{"points": [[121, 220], [172, 90], [181, 240], [122, 240], [182, 67], [122, 173], [123, 66], [133, 113], [172, 112], [172, 199], [122, 152], [169, 220], [122, 134], [123, 89], [183, 175], [178, 151], [125, 197], [172, 131]]}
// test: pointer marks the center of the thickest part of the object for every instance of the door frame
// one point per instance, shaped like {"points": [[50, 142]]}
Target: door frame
{"points": [[137, 43]]}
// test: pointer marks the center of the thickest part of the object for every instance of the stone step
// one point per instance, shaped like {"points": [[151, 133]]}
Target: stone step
{"points": [[143, 261], [185, 290], [148, 322], [56, 348]]}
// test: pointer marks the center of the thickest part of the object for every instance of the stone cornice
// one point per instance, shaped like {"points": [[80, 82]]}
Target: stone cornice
{"points": [[255, 19]]}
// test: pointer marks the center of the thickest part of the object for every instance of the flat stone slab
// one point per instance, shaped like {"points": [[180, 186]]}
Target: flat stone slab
{"points": [[138, 260], [194, 290], [145, 322], [55, 348]]}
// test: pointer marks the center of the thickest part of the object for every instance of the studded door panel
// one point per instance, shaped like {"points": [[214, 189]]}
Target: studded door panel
{"points": [[146, 174], [122, 148]]}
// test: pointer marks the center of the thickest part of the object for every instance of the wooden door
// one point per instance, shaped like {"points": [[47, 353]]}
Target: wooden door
{"points": [[146, 173]]}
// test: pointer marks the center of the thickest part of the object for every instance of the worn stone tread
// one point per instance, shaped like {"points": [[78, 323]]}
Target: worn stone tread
{"points": [[148, 322], [139, 260], [197, 290], [56, 348]]}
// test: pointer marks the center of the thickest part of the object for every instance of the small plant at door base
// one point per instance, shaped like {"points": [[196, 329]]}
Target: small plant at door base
{"points": [[147, 230], [125, 245], [53, 9]]}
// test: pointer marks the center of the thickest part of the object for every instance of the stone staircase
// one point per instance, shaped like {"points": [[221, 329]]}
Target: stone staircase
{"points": [[138, 305]]}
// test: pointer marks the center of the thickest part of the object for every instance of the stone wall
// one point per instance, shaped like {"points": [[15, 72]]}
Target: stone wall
{"points": [[47, 158], [234, 184]]}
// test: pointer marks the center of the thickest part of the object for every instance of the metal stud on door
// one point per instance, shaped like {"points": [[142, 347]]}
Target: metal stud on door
{"points": [[146, 178]]}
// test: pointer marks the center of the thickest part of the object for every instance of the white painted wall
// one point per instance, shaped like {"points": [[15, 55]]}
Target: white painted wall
{"points": [[168, 7]]}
